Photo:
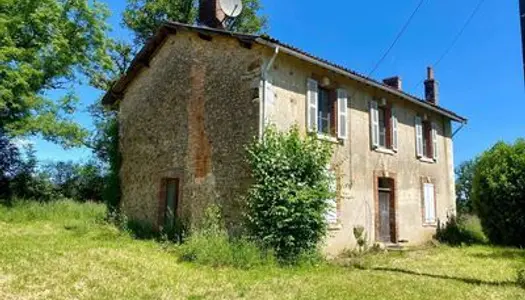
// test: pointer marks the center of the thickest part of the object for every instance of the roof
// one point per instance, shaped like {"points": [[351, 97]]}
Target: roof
{"points": [[144, 56]]}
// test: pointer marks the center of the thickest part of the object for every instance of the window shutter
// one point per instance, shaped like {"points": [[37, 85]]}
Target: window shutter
{"points": [[342, 115], [311, 105], [394, 129], [374, 124], [419, 137], [434, 141], [430, 204], [331, 210]]}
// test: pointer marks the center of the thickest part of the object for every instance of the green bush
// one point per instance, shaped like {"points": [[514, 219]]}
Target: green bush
{"points": [[460, 231], [211, 245], [286, 204], [499, 193]]}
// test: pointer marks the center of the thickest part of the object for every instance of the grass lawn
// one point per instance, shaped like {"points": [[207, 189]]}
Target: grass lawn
{"points": [[66, 251]]}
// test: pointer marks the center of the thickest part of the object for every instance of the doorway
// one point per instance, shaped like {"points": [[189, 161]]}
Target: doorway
{"points": [[386, 211], [170, 202]]}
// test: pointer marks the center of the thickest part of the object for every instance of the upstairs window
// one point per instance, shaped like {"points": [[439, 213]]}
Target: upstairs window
{"points": [[383, 126], [426, 139], [326, 110]]}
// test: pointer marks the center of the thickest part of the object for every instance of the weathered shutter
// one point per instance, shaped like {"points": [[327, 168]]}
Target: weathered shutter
{"points": [[342, 115], [374, 124], [419, 137], [331, 210], [311, 105], [430, 204], [434, 141], [394, 129]]}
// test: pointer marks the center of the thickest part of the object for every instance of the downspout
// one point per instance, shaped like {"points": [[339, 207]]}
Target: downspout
{"points": [[264, 76]]}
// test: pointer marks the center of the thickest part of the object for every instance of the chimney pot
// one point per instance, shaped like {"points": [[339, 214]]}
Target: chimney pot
{"points": [[394, 82], [430, 73]]}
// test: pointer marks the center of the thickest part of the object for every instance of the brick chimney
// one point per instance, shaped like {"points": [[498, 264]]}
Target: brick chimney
{"points": [[394, 82], [431, 88], [211, 14]]}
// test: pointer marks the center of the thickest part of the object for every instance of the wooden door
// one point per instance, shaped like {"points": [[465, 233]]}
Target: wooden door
{"points": [[384, 217], [172, 192]]}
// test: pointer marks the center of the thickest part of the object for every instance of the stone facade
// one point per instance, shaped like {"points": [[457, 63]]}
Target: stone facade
{"points": [[188, 116], [358, 166], [190, 113]]}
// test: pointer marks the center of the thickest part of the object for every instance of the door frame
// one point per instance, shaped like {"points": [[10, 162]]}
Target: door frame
{"points": [[394, 216]]}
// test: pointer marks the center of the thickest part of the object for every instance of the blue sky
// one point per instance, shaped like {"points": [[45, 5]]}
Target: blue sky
{"points": [[481, 78]]}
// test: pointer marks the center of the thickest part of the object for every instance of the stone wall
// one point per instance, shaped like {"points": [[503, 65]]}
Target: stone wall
{"points": [[188, 115]]}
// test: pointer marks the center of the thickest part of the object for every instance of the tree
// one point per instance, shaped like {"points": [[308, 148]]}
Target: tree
{"points": [[47, 45], [145, 16], [10, 162], [499, 193], [464, 176]]}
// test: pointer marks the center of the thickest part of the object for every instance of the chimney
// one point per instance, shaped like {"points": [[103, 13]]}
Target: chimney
{"points": [[431, 88], [210, 14], [394, 82]]}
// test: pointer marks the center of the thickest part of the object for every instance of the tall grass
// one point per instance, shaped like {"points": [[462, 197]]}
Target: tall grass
{"points": [[64, 210]]}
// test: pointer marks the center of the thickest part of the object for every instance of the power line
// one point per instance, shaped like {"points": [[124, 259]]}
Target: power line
{"points": [[407, 23], [456, 38]]}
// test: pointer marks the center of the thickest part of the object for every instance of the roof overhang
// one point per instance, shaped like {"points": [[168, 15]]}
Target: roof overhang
{"points": [[144, 56]]}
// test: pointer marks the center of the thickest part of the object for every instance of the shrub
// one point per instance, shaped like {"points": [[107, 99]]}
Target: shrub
{"points": [[285, 205], [499, 193], [211, 245], [521, 278], [459, 231]]}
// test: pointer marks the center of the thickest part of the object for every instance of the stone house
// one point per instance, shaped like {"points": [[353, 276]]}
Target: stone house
{"points": [[195, 96]]}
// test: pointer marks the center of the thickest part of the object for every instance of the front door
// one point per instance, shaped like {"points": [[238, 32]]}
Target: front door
{"points": [[386, 211], [384, 217]]}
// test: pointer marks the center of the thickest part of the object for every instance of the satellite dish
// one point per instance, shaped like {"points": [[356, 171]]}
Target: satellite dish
{"points": [[231, 8]]}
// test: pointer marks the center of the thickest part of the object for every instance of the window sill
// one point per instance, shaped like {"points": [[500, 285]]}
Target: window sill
{"points": [[427, 160], [429, 224], [327, 138], [335, 226], [384, 151]]}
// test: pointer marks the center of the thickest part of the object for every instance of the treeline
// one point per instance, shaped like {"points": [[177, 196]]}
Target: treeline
{"points": [[22, 176]]}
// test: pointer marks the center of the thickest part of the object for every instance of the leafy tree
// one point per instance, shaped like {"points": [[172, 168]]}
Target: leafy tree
{"points": [[145, 16], [10, 162], [47, 45], [79, 181], [286, 204], [464, 176], [499, 193]]}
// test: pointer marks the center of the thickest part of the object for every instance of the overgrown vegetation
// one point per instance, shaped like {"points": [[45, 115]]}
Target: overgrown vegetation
{"points": [[462, 230], [64, 249], [499, 193], [211, 245], [287, 202]]}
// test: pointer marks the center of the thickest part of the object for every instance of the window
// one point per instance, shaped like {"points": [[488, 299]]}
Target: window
{"points": [[426, 139], [326, 110], [383, 126], [429, 204]]}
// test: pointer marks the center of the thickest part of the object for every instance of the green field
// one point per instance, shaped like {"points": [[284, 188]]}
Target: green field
{"points": [[66, 251]]}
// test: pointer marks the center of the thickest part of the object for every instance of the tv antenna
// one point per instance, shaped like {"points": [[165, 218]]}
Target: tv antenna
{"points": [[232, 9]]}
